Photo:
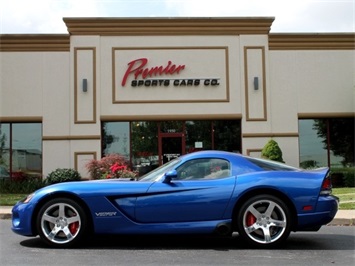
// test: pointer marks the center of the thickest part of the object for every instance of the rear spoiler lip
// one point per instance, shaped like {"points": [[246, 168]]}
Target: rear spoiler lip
{"points": [[320, 170]]}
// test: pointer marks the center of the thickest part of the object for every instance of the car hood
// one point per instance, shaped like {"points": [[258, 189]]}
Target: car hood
{"points": [[95, 188]]}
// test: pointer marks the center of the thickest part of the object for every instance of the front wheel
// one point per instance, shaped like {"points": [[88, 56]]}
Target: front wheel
{"points": [[264, 221], [61, 222]]}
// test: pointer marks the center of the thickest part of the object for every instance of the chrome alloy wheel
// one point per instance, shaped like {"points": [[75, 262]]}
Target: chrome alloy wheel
{"points": [[60, 223], [264, 221]]}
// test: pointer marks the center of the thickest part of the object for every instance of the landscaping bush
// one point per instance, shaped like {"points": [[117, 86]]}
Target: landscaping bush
{"points": [[63, 175], [21, 187], [337, 179], [343, 177], [110, 166], [272, 151], [349, 179]]}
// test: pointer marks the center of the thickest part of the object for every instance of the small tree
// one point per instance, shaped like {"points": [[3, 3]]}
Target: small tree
{"points": [[272, 151]]}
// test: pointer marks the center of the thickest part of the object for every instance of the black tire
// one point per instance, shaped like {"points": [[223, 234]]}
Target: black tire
{"points": [[61, 223], [264, 221]]}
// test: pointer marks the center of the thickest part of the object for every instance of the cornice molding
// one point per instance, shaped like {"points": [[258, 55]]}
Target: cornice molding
{"points": [[71, 137], [112, 118], [325, 115], [168, 26], [34, 43], [177, 27], [312, 41], [271, 135], [14, 119]]}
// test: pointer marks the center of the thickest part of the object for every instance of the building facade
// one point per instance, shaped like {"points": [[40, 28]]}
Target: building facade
{"points": [[155, 88]]}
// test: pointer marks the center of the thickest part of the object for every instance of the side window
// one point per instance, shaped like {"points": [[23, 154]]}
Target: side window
{"points": [[204, 169]]}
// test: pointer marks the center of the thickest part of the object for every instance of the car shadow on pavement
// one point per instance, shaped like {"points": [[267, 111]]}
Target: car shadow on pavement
{"points": [[296, 241]]}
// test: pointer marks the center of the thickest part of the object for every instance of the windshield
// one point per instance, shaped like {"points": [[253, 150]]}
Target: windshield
{"points": [[160, 171]]}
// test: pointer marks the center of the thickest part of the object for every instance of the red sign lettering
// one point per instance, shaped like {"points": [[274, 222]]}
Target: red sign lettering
{"points": [[137, 68]]}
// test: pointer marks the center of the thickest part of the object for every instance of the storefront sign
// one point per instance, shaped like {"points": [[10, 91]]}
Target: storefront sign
{"points": [[175, 82], [138, 69], [198, 145], [154, 76], [171, 156], [193, 74]]}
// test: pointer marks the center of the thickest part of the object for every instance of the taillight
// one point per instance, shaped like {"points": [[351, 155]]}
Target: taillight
{"points": [[326, 186]]}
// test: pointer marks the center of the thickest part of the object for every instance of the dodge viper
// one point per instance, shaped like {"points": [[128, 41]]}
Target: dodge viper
{"points": [[206, 192]]}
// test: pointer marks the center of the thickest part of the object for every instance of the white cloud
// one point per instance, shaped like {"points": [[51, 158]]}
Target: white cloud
{"points": [[42, 16], [290, 16], [46, 16], [235, 8]]}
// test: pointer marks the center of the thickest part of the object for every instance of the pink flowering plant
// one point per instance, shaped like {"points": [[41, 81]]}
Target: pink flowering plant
{"points": [[110, 166]]}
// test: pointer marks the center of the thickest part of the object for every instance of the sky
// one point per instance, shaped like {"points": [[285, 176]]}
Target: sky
{"points": [[46, 16]]}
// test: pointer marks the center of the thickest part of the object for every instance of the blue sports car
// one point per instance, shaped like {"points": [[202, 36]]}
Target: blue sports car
{"points": [[207, 192]]}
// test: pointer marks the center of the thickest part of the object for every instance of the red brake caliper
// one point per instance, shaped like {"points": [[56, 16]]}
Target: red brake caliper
{"points": [[73, 227], [250, 219]]}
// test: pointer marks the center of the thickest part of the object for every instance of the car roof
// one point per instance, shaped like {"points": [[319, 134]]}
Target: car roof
{"points": [[211, 153]]}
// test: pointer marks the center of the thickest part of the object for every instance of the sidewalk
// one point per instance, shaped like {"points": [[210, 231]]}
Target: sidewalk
{"points": [[343, 217]]}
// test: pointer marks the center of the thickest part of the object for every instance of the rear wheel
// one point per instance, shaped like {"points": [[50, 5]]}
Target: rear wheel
{"points": [[264, 221], [61, 222]]}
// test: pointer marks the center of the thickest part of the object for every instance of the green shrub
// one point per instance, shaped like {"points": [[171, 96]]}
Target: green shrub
{"points": [[343, 176], [21, 187], [63, 175], [337, 179], [349, 179], [272, 151]]}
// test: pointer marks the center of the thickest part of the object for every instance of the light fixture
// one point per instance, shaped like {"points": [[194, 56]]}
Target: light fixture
{"points": [[256, 83], [85, 85]]}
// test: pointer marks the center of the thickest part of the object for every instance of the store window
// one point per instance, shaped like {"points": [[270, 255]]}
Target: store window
{"points": [[148, 144], [171, 126], [198, 136], [222, 135], [116, 138], [227, 135], [144, 146], [326, 142], [20, 150]]}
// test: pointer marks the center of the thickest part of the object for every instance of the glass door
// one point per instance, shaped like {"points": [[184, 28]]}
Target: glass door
{"points": [[171, 148], [171, 140]]}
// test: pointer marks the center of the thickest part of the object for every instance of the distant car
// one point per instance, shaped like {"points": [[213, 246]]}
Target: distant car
{"points": [[207, 192], [4, 173]]}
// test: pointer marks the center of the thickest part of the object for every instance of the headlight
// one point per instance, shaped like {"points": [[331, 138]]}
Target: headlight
{"points": [[28, 198]]}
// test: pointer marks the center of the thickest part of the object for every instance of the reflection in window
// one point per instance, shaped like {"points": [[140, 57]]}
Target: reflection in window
{"points": [[198, 136], [21, 149], [341, 141], [115, 138], [312, 152], [326, 142], [4, 151], [227, 135], [144, 146], [171, 126], [139, 140], [217, 135]]}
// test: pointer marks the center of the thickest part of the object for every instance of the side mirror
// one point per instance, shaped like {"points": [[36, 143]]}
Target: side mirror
{"points": [[168, 176]]}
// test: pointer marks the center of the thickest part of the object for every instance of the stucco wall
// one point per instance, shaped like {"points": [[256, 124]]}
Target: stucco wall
{"points": [[299, 76]]}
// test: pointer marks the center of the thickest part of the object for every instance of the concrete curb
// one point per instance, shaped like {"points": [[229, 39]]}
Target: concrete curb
{"points": [[342, 222], [4, 216]]}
